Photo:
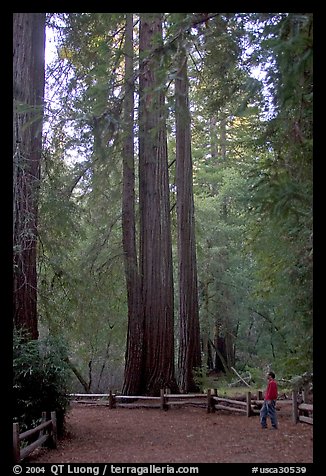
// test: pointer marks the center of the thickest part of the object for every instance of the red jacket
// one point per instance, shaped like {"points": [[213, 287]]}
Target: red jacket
{"points": [[271, 391]]}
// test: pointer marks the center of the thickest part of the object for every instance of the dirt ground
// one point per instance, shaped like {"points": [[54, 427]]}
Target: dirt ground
{"points": [[97, 434]]}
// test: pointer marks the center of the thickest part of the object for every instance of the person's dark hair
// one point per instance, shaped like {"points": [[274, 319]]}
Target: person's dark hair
{"points": [[271, 374]]}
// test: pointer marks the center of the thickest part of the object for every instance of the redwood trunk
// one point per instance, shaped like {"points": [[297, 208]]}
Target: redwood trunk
{"points": [[189, 348], [28, 92], [133, 361], [155, 231]]}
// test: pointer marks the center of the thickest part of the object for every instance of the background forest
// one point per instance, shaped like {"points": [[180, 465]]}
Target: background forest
{"points": [[233, 90]]}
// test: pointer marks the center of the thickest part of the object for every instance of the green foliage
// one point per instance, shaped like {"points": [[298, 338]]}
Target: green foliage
{"points": [[40, 380], [81, 279], [252, 186], [224, 383], [203, 380]]}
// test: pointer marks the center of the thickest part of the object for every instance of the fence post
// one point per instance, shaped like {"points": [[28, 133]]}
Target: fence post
{"points": [[163, 405], [43, 421], [54, 431], [16, 443], [295, 412], [304, 393], [48, 443], [260, 395], [209, 400], [249, 404], [111, 400]]}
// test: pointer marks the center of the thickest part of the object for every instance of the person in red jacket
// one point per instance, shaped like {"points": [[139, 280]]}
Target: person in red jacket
{"points": [[269, 405]]}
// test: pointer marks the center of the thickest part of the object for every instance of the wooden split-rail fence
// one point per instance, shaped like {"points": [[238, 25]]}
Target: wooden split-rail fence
{"points": [[301, 411], [208, 400], [164, 401], [47, 433], [247, 407]]}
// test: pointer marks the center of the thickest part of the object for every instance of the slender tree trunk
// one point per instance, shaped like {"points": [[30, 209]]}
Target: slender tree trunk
{"points": [[189, 350], [155, 229], [133, 361], [28, 93], [82, 381], [207, 351], [224, 258], [213, 138]]}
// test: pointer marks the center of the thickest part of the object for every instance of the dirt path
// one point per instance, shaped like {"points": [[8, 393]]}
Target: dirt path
{"points": [[180, 435]]}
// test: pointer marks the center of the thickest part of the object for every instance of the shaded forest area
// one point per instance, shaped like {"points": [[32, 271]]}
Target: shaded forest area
{"points": [[162, 201]]}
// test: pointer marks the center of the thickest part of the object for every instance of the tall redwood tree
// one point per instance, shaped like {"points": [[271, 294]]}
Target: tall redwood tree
{"points": [[133, 361], [155, 229], [28, 94], [189, 344]]}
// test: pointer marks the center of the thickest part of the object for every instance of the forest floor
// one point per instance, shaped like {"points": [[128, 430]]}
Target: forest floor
{"points": [[97, 434]]}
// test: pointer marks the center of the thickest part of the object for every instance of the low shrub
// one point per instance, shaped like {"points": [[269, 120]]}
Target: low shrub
{"points": [[40, 381]]}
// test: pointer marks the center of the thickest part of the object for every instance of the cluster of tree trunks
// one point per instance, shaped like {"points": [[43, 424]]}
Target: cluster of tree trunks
{"points": [[150, 347]]}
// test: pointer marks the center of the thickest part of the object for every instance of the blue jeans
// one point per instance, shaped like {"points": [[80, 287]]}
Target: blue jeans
{"points": [[268, 409]]}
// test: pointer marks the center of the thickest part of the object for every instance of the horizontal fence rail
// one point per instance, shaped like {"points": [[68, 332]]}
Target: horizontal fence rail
{"points": [[215, 402]]}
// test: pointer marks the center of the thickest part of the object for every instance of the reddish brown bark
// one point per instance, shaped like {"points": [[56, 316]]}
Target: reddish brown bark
{"points": [[189, 341], [28, 92], [133, 361], [155, 230]]}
